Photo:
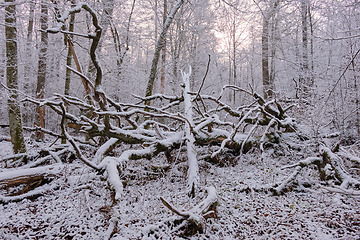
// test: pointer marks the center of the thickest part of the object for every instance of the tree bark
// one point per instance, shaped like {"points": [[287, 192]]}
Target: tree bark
{"points": [[69, 53], [268, 84], [265, 59], [304, 78], [28, 112], [106, 18], [163, 54], [15, 123], [41, 79], [69, 38]]}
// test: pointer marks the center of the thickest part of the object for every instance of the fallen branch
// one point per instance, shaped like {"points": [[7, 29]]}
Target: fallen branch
{"points": [[340, 190], [30, 194], [193, 221], [341, 173]]}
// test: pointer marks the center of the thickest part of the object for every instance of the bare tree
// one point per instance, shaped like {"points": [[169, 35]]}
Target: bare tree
{"points": [[122, 47], [68, 41]]}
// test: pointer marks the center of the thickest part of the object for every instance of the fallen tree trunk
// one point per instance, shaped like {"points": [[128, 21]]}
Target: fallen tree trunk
{"points": [[28, 183]]}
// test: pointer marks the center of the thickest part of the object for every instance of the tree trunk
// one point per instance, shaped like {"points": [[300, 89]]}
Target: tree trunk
{"points": [[159, 46], [268, 88], [69, 53], [163, 55], [311, 83], [40, 87], [15, 123], [268, 84], [234, 56], [28, 112], [304, 78], [69, 59], [106, 18]]}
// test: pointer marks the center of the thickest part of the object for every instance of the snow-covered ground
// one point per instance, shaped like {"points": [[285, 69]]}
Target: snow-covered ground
{"points": [[81, 207]]}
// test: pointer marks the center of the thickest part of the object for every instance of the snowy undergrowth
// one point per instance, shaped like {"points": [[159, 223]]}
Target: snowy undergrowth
{"points": [[82, 207]]}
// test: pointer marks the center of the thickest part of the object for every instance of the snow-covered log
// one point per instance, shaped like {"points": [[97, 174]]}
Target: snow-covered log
{"points": [[343, 152], [33, 181], [41, 190]]}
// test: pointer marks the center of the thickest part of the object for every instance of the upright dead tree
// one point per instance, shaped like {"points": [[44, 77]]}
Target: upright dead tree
{"points": [[193, 170], [69, 54], [40, 87], [15, 123], [158, 48]]}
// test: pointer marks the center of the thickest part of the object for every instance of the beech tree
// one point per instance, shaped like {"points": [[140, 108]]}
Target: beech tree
{"points": [[15, 120]]}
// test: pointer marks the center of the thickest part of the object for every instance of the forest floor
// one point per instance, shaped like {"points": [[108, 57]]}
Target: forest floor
{"points": [[81, 207]]}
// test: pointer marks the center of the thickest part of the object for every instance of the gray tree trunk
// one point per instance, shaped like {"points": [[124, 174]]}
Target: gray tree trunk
{"points": [[68, 38], [163, 55], [304, 78], [40, 86], [15, 123], [105, 22], [28, 111], [268, 83]]}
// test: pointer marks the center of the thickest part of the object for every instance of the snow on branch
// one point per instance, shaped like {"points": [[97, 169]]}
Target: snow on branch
{"points": [[61, 20], [111, 166]]}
